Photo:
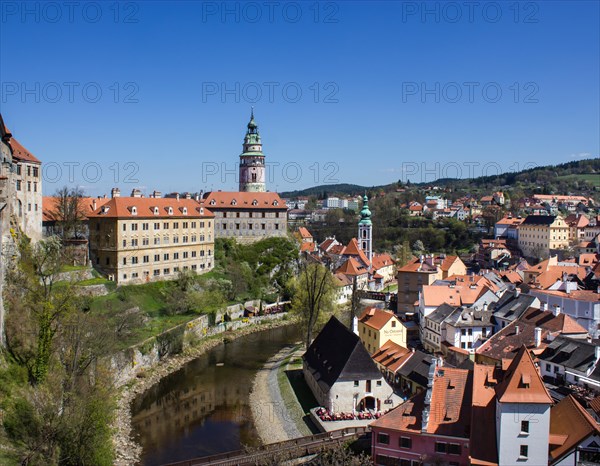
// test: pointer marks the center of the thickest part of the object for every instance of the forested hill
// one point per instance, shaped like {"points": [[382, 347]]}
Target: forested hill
{"points": [[581, 176]]}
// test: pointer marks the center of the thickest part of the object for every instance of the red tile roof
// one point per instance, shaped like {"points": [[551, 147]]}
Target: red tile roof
{"points": [[522, 382], [392, 356], [376, 318], [382, 260], [354, 250], [50, 206], [121, 207], [351, 267], [20, 153], [304, 233], [243, 200], [570, 425]]}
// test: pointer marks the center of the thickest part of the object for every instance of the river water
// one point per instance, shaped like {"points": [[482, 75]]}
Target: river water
{"points": [[203, 408]]}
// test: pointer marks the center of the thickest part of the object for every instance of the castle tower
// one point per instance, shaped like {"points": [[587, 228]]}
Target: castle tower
{"points": [[365, 230], [252, 160]]}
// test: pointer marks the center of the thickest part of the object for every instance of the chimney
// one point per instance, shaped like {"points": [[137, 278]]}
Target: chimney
{"points": [[188, 196], [537, 336], [516, 329], [136, 193], [156, 194], [544, 306], [115, 192], [94, 206], [556, 310], [177, 196], [517, 291], [485, 307]]}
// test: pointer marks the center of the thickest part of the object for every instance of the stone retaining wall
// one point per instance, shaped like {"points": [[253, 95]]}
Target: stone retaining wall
{"points": [[133, 361]]}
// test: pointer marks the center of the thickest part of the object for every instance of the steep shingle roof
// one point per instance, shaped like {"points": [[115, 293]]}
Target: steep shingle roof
{"points": [[337, 354], [522, 382]]}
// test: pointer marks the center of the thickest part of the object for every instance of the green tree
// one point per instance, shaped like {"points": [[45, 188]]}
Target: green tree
{"points": [[314, 297], [33, 291]]}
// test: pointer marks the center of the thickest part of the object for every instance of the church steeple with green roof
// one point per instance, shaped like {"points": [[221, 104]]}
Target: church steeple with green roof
{"points": [[252, 160], [365, 229]]}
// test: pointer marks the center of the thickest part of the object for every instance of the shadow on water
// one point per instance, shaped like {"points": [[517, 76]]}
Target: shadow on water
{"points": [[202, 409]]}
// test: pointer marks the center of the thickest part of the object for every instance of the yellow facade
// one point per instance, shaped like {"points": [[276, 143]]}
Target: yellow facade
{"points": [[373, 338], [537, 240]]}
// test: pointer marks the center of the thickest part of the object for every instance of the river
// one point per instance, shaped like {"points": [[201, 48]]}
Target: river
{"points": [[202, 409]]}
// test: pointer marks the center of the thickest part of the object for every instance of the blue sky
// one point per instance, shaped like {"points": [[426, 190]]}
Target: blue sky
{"points": [[157, 95]]}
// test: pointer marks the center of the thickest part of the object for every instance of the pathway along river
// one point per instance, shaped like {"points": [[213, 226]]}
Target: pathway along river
{"points": [[203, 409]]}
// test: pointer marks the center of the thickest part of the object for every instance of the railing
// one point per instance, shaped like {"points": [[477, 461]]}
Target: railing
{"points": [[301, 447]]}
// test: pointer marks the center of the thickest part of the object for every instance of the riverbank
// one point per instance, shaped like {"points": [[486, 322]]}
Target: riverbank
{"points": [[127, 452], [277, 413]]}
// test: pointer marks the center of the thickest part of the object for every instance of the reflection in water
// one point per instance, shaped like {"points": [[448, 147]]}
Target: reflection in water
{"points": [[202, 409]]}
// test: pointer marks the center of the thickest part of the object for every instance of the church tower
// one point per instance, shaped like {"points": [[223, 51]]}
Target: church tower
{"points": [[365, 230], [252, 160]]}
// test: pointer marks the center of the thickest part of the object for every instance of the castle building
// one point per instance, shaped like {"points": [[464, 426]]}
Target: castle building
{"points": [[136, 239], [20, 200], [252, 161], [252, 213]]}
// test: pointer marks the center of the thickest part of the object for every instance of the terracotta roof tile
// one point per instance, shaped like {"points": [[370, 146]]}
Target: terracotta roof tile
{"points": [[50, 206], [20, 153], [570, 424], [522, 382], [244, 200], [376, 318], [122, 207]]}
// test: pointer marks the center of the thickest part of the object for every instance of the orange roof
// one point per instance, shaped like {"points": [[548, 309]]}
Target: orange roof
{"points": [[577, 295], [511, 221], [20, 153], [555, 273], [511, 276], [351, 267], [50, 206], [354, 250], [304, 233], [450, 407], [307, 247], [436, 295], [243, 200], [483, 412], [392, 356], [382, 260], [122, 207], [570, 423], [522, 382], [376, 318], [562, 323], [342, 280], [589, 259], [443, 262]]}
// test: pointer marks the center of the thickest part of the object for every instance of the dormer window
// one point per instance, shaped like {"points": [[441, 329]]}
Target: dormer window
{"points": [[155, 210], [254, 202], [170, 210], [233, 202], [275, 203], [213, 202], [201, 210], [133, 210], [105, 209], [184, 210]]}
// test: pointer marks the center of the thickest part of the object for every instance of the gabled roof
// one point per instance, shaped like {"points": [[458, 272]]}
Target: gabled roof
{"points": [[522, 382], [511, 307], [416, 368], [354, 250], [382, 260], [351, 267], [449, 410], [337, 354], [20, 153], [483, 412], [570, 424], [377, 318], [392, 356], [304, 233]]}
